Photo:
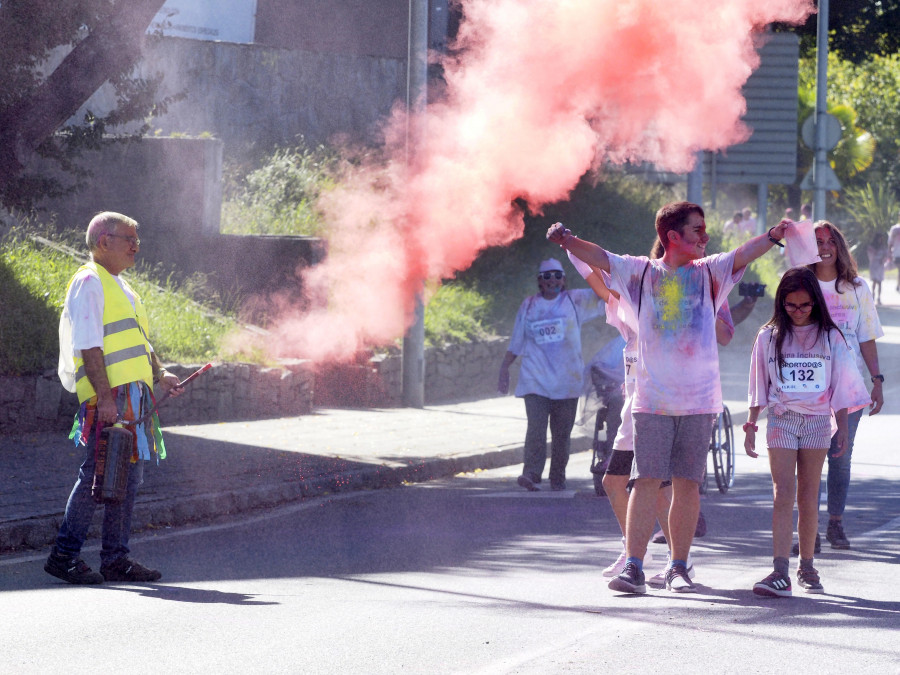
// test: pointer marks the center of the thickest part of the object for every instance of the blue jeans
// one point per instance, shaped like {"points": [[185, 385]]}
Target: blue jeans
{"points": [[561, 416], [839, 468], [80, 511]]}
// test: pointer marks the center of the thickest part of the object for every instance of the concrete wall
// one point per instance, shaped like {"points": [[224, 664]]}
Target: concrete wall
{"points": [[252, 95]]}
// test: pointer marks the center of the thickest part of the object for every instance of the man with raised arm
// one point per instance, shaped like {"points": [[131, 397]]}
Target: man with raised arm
{"points": [[677, 388]]}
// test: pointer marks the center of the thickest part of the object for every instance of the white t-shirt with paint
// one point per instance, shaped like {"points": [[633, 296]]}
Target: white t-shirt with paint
{"points": [[547, 336], [678, 358], [853, 310], [818, 375]]}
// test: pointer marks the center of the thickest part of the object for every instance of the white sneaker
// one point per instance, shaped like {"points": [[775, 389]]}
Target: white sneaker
{"points": [[659, 579], [616, 568]]}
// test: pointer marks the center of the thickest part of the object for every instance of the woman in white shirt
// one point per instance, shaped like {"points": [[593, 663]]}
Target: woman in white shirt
{"points": [[852, 308]]}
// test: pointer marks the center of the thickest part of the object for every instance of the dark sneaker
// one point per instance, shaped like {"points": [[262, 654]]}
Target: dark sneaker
{"points": [[526, 482], [678, 580], [125, 569], [808, 580], [776, 585], [71, 568], [817, 549], [835, 534], [631, 580], [558, 487]]}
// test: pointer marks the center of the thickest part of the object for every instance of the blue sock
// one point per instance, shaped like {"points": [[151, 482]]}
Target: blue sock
{"points": [[678, 562], [637, 561]]}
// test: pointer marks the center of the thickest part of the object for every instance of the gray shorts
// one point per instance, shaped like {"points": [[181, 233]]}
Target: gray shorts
{"points": [[667, 447], [796, 431]]}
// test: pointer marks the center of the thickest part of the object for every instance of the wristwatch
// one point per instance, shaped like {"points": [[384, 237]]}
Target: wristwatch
{"points": [[878, 377]]}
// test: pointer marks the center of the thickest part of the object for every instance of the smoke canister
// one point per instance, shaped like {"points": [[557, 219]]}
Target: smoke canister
{"points": [[114, 449]]}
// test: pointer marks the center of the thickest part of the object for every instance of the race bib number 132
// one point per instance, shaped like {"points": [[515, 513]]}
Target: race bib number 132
{"points": [[803, 374]]}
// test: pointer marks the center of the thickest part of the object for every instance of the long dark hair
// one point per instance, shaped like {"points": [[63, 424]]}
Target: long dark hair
{"points": [[798, 279], [845, 264]]}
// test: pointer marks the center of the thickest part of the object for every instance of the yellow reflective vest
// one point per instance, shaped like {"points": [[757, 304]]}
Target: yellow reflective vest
{"points": [[126, 348]]}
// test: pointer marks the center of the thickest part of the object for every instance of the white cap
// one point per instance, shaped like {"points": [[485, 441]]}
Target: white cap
{"points": [[551, 264]]}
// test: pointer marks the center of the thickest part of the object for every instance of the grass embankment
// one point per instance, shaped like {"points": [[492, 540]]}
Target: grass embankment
{"points": [[33, 280]]}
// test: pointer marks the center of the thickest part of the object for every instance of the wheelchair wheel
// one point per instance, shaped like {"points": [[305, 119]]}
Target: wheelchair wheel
{"points": [[722, 448]]}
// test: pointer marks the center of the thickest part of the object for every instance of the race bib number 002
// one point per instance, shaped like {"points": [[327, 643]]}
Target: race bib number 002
{"points": [[803, 374], [548, 330]]}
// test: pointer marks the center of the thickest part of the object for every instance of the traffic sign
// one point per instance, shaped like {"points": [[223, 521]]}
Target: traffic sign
{"points": [[833, 131]]}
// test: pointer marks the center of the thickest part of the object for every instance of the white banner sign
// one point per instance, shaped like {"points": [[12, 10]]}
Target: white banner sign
{"points": [[225, 20]]}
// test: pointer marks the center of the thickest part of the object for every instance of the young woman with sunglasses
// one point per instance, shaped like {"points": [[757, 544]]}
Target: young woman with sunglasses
{"points": [[803, 372]]}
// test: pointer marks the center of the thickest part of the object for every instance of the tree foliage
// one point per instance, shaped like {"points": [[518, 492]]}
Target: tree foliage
{"points": [[859, 29], [871, 91], [101, 40], [873, 208]]}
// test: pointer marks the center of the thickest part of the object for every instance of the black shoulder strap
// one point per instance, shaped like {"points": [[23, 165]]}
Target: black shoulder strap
{"points": [[641, 289]]}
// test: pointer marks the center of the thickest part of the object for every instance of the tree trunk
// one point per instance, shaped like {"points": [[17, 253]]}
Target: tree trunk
{"points": [[106, 52]]}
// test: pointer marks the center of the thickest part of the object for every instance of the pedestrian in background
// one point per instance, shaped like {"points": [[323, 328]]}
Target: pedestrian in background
{"points": [[801, 370], [879, 255], [894, 245], [852, 308], [547, 335], [105, 357]]}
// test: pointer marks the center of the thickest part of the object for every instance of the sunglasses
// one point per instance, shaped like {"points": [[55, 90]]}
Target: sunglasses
{"points": [[805, 307], [555, 274]]}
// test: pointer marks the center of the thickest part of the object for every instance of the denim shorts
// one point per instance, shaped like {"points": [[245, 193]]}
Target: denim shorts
{"points": [[798, 431], [667, 447]]}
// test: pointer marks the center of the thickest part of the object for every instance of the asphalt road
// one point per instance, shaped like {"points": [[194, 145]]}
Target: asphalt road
{"points": [[472, 575]]}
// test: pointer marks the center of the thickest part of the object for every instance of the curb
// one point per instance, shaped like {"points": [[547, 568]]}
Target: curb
{"points": [[40, 531]]}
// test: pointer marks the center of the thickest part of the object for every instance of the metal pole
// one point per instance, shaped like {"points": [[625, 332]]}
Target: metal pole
{"points": [[413, 362], [821, 154], [695, 181], [762, 207]]}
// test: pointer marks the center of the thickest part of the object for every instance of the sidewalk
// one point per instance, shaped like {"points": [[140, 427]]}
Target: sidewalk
{"points": [[221, 470]]}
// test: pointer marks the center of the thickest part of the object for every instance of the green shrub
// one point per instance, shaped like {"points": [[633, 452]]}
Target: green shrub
{"points": [[455, 314], [280, 196]]}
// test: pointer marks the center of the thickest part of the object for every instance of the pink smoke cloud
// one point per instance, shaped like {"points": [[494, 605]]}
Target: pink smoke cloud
{"points": [[540, 93]]}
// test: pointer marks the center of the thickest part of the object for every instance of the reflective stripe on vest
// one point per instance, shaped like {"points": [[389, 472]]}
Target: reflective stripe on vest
{"points": [[126, 350]]}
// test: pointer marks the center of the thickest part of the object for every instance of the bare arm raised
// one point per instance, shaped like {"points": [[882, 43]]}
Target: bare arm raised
{"points": [[585, 250], [749, 251]]}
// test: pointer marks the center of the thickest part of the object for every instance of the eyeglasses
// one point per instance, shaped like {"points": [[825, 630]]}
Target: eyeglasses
{"points": [[805, 307], [134, 241], [555, 274]]}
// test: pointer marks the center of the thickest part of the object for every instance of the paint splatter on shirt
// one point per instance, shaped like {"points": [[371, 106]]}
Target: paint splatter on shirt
{"points": [[678, 358]]}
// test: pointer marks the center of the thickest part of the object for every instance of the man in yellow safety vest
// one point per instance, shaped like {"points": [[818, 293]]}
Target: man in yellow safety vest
{"points": [[106, 358]]}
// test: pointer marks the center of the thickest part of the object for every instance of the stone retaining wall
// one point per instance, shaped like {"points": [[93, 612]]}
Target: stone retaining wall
{"points": [[229, 391], [452, 372], [234, 391]]}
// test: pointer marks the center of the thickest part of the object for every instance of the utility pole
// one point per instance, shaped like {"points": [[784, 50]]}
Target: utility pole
{"points": [[821, 168], [413, 362]]}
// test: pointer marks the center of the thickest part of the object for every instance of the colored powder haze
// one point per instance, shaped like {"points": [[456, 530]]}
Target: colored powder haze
{"points": [[545, 91]]}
